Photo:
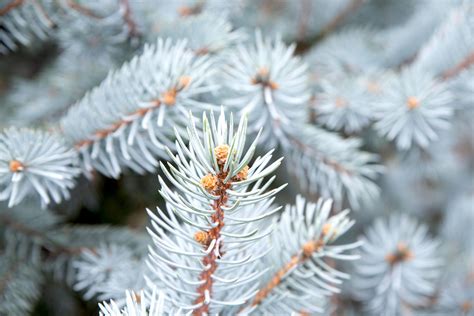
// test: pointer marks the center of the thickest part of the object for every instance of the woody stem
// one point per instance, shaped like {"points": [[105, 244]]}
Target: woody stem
{"points": [[210, 260]]}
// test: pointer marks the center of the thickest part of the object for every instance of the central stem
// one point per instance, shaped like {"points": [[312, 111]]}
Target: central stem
{"points": [[209, 261]]}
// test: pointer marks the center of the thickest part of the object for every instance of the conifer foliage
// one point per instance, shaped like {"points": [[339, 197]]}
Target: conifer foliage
{"points": [[202, 157]]}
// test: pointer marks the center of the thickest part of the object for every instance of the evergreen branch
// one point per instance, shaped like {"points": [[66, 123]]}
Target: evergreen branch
{"points": [[213, 251], [35, 161], [300, 273], [269, 84], [408, 265], [52, 247], [23, 22], [451, 47], [132, 125], [413, 108], [310, 151], [276, 94], [20, 227], [29, 20], [108, 270], [344, 104], [304, 254], [137, 304], [344, 172]]}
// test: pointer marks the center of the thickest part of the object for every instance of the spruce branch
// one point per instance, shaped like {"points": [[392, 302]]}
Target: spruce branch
{"points": [[32, 235], [211, 259], [413, 108], [331, 166], [107, 271], [35, 162], [126, 121], [301, 276], [451, 48], [269, 84], [218, 243], [399, 266], [24, 22], [137, 304], [344, 104], [276, 93]]}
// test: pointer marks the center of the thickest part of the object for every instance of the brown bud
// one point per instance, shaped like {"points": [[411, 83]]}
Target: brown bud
{"points": [[137, 297], [16, 166], [209, 182], [373, 87], [243, 174], [273, 85], [326, 228], [221, 152], [274, 282], [412, 103], [202, 237], [185, 11], [202, 51], [263, 77], [309, 248], [466, 306], [169, 97], [402, 253], [184, 81], [340, 102]]}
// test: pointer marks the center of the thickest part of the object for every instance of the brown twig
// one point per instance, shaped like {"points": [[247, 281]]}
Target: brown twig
{"points": [[20, 227], [185, 11], [127, 17], [330, 162], [304, 254], [338, 19], [331, 26], [214, 233], [167, 98], [56, 249], [81, 9], [10, 6], [465, 63], [306, 7]]}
